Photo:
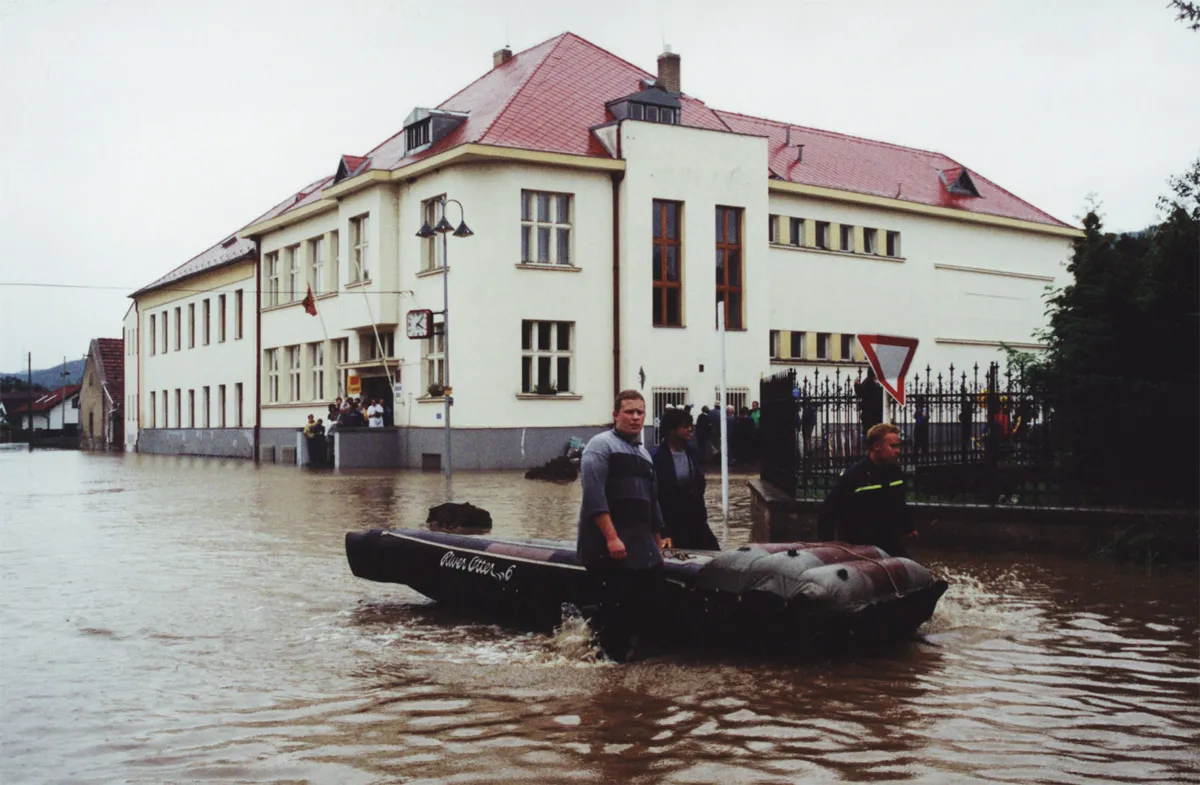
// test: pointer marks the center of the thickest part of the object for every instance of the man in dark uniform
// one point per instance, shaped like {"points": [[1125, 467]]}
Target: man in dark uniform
{"points": [[620, 527], [866, 505]]}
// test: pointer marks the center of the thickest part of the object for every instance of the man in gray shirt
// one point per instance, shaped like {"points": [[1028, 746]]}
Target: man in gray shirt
{"points": [[620, 526]]}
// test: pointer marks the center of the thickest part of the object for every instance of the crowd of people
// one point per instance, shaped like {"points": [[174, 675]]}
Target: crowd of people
{"points": [[349, 412]]}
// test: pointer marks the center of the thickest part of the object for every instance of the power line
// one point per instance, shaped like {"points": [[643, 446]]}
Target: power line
{"points": [[185, 289]]}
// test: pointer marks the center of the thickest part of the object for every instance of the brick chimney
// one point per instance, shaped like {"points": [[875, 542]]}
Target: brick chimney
{"points": [[501, 56], [668, 71]]}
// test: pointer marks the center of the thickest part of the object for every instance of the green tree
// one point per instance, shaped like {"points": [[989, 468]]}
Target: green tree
{"points": [[1124, 343]]}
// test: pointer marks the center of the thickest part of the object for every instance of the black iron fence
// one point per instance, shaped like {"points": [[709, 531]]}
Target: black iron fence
{"points": [[973, 436]]}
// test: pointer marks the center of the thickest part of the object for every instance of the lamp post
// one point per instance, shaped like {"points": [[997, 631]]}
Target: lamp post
{"points": [[444, 227]]}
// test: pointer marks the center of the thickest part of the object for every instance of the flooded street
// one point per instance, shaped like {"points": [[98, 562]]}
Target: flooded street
{"points": [[188, 620]]}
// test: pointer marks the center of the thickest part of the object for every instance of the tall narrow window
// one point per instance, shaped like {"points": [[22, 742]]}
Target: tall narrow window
{"points": [[237, 402], [431, 247], [823, 346], [798, 228], [191, 325], [847, 347], [546, 352], [221, 318], [166, 410], [316, 362], [272, 370], [293, 271], [729, 265], [796, 348], [272, 265], [435, 363], [238, 297], [772, 228], [774, 337], [206, 411], [293, 358], [545, 228], [822, 238], [359, 270], [316, 255], [178, 328], [335, 262], [178, 408], [847, 238], [191, 408], [893, 243], [205, 320], [165, 331], [870, 241], [153, 336], [153, 410], [341, 356], [666, 264], [221, 405]]}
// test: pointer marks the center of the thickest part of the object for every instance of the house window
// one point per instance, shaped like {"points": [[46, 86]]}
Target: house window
{"points": [[667, 258], [237, 402], [153, 410], [316, 255], [797, 227], [335, 260], [893, 243], [545, 357], [417, 135], [870, 241], [272, 279], [178, 329], [772, 228], [153, 337], [729, 265], [293, 269], [358, 249], [165, 331], [847, 238], [341, 357], [191, 325], [823, 346], [822, 238], [369, 348], [238, 296], [207, 410], [774, 338], [221, 405], [191, 408], [737, 397], [545, 228], [431, 247], [221, 319], [435, 364], [796, 349], [293, 358], [661, 399], [637, 111], [272, 363], [166, 410], [316, 362], [205, 313], [847, 347], [178, 408]]}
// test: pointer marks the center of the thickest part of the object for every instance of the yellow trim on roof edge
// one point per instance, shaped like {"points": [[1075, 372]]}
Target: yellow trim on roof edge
{"points": [[924, 209], [323, 205]]}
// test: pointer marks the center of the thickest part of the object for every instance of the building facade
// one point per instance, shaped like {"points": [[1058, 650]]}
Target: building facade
{"points": [[102, 396], [611, 218]]}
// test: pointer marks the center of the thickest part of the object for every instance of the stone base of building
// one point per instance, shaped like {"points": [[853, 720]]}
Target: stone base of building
{"points": [[1161, 535], [211, 442]]}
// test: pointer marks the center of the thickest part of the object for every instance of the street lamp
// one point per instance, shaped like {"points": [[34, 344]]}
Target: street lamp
{"points": [[444, 227]]}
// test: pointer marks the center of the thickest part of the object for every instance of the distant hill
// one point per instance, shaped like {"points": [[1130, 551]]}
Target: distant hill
{"points": [[52, 377]]}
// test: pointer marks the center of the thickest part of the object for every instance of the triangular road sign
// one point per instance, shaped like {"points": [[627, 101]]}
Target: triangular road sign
{"points": [[890, 356]]}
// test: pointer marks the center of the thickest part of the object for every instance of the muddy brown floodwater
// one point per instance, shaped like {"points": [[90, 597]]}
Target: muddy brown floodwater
{"points": [[190, 620]]}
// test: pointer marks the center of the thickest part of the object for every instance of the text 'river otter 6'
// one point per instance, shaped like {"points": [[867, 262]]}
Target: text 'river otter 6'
{"points": [[797, 595]]}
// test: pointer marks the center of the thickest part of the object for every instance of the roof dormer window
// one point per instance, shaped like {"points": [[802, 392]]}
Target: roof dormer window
{"points": [[958, 182], [425, 127], [418, 134], [653, 105]]}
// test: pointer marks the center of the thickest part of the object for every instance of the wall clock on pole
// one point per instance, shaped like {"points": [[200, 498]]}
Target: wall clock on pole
{"points": [[419, 324]]}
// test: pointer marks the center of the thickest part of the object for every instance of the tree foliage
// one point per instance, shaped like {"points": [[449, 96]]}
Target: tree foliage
{"points": [[1124, 347], [1188, 13]]}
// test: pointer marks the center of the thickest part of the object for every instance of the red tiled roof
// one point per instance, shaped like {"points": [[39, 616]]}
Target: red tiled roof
{"points": [[48, 400], [111, 365]]}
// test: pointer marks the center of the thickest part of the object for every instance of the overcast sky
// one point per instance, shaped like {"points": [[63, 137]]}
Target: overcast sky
{"points": [[136, 133]]}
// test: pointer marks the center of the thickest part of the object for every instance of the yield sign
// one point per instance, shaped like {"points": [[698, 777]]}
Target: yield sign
{"points": [[890, 356]]}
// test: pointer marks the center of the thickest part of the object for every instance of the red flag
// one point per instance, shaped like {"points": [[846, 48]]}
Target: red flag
{"points": [[310, 303]]}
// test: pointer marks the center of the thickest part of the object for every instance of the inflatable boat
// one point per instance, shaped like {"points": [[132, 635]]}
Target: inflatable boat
{"points": [[796, 595]]}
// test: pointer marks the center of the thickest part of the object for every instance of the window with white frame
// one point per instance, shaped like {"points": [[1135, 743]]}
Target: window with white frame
{"points": [[893, 243], [663, 398], [797, 231], [359, 226], [796, 348], [546, 354], [316, 362], [293, 360], [847, 238], [375, 347], [545, 228], [774, 337], [272, 363], [206, 411], [870, 241], [823, 346], [822, 235], [293, 270], [316, 255], [341, 356], [847, 340], [221, 405], [772, 228], [431, 247], [434, 360], [335, 259], [272, 265]]}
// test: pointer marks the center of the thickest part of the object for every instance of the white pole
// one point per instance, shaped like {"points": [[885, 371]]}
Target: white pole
{"points": [[724, 435]]}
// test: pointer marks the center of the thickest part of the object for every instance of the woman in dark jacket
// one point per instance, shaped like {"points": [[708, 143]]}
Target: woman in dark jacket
{"points": [[680, 475]]}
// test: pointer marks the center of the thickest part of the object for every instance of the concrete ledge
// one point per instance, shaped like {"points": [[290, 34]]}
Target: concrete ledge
{"points": [[776, 517]]}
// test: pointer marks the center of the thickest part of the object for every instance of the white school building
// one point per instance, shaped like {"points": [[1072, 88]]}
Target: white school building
{"points": [[611, 215]]}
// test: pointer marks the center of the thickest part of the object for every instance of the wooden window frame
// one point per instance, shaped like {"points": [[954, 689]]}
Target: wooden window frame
{"points": [[727, 218], [661, 243]]}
